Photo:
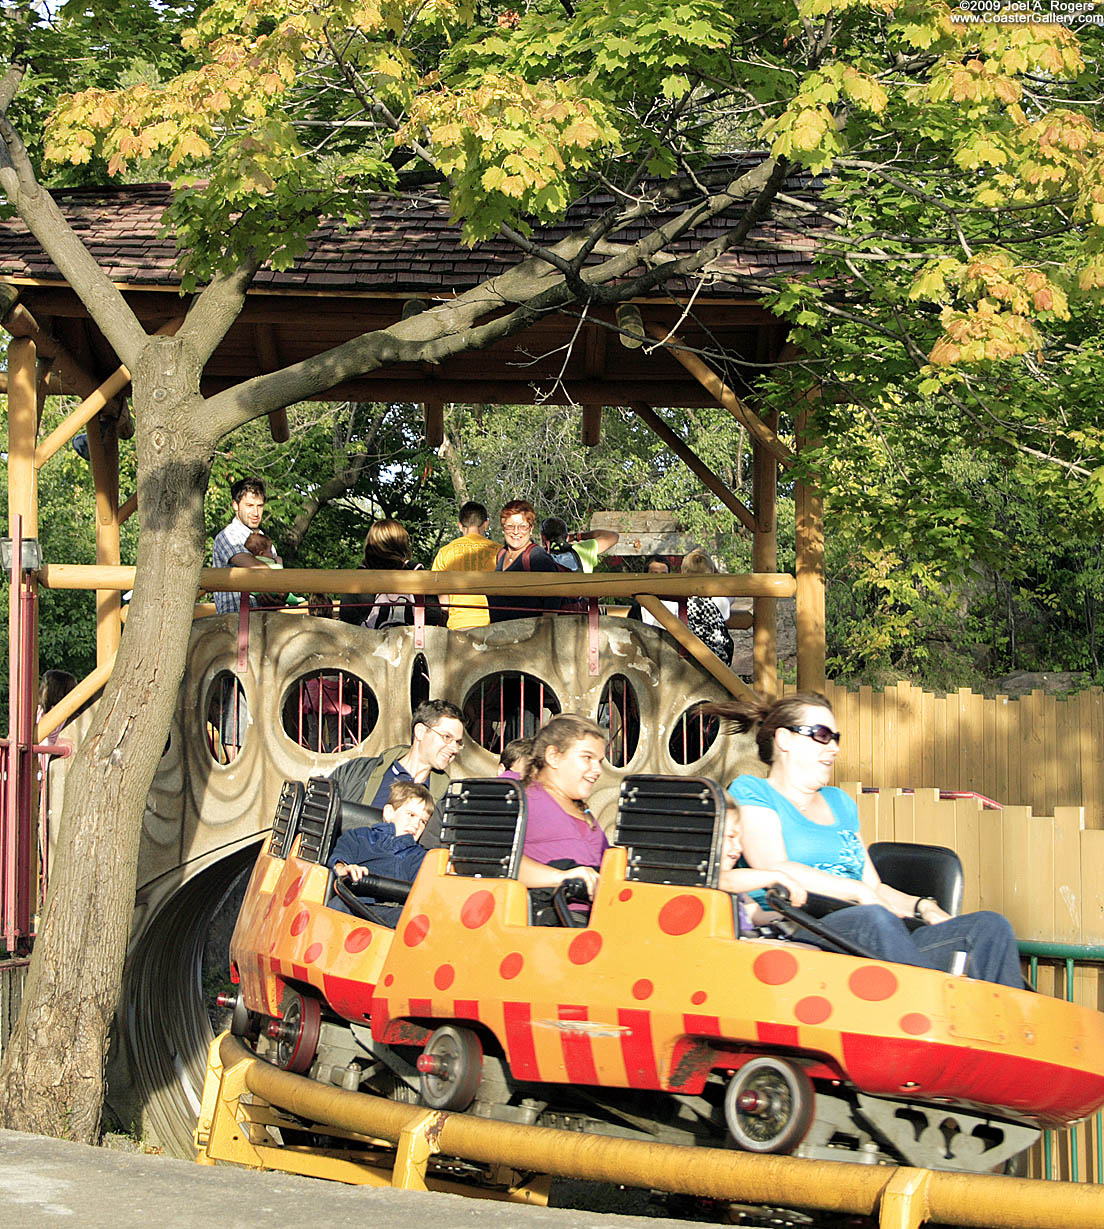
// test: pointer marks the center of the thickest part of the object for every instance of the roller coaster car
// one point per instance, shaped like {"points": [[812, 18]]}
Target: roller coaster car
{"points": [[655, 1018]]}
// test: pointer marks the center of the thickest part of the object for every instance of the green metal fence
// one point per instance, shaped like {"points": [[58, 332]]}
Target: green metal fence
{"points": [[1065, 956]]}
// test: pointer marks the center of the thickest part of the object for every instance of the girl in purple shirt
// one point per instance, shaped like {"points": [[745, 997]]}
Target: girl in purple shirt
{"points": [[565, 765]]}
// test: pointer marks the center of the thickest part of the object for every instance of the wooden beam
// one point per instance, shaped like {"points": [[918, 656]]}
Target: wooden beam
{"points": [[128, 508], [22, 428], [103, 454], [592, 425], [434, 414], [268, 359], [698, 467], [705, 656], [20, 323], [81, 416], [764, 558], [594, 352], [809, 508], [390, 580], [719, 389]]}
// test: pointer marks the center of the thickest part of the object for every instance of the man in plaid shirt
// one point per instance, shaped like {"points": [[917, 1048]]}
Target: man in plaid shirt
{"points": [[248, 497]]}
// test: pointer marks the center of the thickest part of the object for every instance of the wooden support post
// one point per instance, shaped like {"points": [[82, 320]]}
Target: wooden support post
{"points": [[434, 412], [268, 358], [810, 579], [764, 558], [698, 467], [103, 452], [22, 429], [592, 425]]}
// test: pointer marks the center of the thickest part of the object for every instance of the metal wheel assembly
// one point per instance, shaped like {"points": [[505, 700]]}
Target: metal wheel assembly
{"points": [[296, 1035], [451, 1066], [769, 1105]]}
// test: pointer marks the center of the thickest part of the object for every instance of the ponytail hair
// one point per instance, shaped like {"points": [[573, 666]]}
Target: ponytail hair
{"points": [[561, 732], [766, 716]]}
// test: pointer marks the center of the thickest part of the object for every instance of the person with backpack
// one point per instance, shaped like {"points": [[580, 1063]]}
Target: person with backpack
{"points": [[521, 554], [387, 546]]}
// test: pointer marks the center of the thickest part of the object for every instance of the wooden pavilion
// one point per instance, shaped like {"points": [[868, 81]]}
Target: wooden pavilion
{"points": [[354, 279]]}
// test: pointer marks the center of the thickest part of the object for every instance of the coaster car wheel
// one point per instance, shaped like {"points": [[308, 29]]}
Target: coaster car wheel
{"points": [[451, 1067], [769, 1105], [296, 1035]]}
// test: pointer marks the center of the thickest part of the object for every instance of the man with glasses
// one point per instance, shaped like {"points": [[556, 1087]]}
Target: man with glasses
{"points": [[436, 737]]}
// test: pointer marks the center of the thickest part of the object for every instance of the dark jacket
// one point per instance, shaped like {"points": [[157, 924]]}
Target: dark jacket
{"points": [[383, 852], [359, 780]]}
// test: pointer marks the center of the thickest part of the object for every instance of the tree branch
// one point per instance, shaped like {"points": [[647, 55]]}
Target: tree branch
{"points": [[48, 225], [215, 309], [532, 286]]}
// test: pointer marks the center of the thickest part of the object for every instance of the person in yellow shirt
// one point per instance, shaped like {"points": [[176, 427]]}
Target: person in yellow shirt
{"points": [[471, 552]]}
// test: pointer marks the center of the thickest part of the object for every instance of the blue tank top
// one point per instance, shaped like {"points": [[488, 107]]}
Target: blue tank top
{"points": [[836, 847]]}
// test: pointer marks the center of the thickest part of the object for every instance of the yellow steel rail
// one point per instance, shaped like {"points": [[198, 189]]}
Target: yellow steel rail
{"points": [[231, 1129]]}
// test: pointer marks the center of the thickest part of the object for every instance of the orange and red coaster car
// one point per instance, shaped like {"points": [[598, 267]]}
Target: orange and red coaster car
{"points": [[656, 1020]]}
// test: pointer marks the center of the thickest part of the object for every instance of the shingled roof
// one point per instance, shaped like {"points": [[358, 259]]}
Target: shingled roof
{"points": [[408, 245], [353, 279]]}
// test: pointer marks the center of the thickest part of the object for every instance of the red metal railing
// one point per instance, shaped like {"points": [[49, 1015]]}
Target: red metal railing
{"points": [[17, 815]]}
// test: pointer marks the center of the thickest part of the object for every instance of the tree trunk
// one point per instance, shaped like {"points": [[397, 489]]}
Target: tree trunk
{"points": [[52, 1076]]}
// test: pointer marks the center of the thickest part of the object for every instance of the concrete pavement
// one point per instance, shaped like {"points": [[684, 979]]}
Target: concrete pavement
{"points": [[47, 1182]]}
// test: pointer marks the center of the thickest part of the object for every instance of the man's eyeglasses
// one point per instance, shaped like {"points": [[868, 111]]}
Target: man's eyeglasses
{"points": [[822, 734], [448, 739]]}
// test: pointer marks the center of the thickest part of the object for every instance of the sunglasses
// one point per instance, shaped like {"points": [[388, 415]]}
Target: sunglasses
{"points": [[818, 733]]}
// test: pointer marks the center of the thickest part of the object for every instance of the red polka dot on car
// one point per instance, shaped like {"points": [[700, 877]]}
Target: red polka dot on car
{"points": [[357, 940], [416, 930], [511, 965], [813, 1009], [775, 968], [299, 922], [477, 909], [681, 915], [312, 953], [444, 977], [584, 947], [873, 983], [642, 989]]}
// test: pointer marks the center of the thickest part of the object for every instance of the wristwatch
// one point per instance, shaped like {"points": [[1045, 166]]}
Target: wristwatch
{"points": [[919, 901]]}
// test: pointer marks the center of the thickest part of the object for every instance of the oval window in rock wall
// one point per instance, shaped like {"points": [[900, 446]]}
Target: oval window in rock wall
{"points": [[328, 711], [226, 717], [619, 713], [692, 735], [419, 681], [507, 705]]}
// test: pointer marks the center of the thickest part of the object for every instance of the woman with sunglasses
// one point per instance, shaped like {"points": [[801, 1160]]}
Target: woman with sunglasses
{"points": [[795, 822]]}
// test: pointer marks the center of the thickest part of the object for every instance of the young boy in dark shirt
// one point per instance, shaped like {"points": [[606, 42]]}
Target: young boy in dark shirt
{"points": [[389, 848]]}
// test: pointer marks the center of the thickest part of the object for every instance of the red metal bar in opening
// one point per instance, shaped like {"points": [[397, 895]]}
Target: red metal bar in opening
{"points": [[17, 840], [501, 713], [419, 621], [11, 817]]}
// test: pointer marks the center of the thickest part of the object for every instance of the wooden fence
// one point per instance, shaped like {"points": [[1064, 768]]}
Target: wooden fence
{"points": [[1038, 751]]}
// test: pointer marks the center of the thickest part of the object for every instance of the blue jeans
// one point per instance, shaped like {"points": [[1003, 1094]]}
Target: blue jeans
{"points": [[987, 938]]}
